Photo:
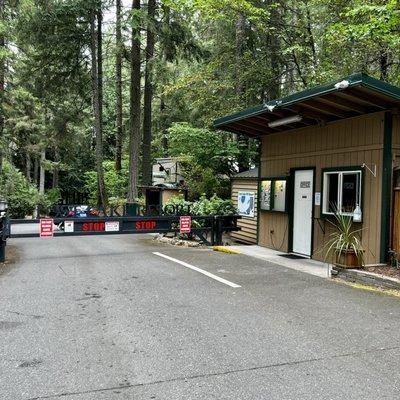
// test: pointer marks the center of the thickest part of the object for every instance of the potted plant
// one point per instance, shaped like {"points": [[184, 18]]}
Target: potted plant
{"points": [[344, 245]]}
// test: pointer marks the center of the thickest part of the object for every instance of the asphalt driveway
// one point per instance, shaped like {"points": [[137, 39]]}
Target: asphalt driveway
{"points": [[95, 318]]}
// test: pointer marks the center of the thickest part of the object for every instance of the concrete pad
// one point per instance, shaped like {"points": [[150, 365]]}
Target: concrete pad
{"points": [[316, 268]]}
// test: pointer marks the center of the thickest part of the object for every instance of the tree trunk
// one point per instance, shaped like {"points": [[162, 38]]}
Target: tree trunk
{"points": [[243, 141], [28, 165], [42, 171], [134, 117], [148, 98], [166, 56], [35, 171], [383, 64], [2, 79], [96, 93], [163, 126], [56, 169], [240, 46], [118, 88], [99, 17], [311, 38], [274, 45]]}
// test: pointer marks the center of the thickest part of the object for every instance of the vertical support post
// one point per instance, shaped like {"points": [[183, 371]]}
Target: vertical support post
{"points": [[3, 236], [2, 249], [386, 186], [213, 231], [218, 238]]}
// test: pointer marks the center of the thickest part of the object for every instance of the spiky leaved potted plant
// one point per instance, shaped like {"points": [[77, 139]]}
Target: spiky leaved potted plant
{"points": [[344, 245]]}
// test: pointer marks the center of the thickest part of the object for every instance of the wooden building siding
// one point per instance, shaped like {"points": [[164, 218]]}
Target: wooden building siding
{"points": [[345, 143], [248, 232], [396, 140], [395, 211]]}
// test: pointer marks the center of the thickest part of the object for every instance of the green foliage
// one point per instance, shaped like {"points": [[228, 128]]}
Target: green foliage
{"points": [[21, 196], [178, 201], [204, 180], [366, 37], [116, 183], [207, 158], [213, 206], [53, 196], [212, 58], [205, 147]]}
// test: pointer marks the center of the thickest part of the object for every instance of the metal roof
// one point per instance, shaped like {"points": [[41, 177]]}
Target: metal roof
{"points": [[351, 96], [249, 174]]}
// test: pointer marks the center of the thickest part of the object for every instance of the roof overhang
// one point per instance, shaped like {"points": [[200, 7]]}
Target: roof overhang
{"points": [[355, 95]]}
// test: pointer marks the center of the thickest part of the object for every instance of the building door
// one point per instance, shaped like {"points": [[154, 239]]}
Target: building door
{"points": [[302, 211]]}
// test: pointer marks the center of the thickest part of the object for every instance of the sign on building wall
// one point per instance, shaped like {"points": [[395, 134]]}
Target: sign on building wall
{"points": [[246, 203]]}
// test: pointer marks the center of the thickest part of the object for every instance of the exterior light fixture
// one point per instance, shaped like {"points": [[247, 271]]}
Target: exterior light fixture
{"points": [[285, 121], [342, 85]]}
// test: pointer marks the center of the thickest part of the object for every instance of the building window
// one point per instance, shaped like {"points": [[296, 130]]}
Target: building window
{"points": [[341, 191], [273, 194]]}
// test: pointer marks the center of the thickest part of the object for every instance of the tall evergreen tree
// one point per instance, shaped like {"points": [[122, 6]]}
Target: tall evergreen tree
{"points": [[135, 103], [119, 48], [96, 74], [148, 96]]}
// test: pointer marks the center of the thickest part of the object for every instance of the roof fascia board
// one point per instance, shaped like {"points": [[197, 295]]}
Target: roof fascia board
{"points": [[357, 79]]}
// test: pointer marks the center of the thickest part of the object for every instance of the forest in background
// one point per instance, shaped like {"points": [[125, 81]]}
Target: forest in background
{"points": [[91, 91]]}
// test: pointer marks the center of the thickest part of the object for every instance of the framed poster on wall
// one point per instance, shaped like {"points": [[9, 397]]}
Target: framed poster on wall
{"points": [[279, 195], [265, 195], [246, 202], [273, 194]]}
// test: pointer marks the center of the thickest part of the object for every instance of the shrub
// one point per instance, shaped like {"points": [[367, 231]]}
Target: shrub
{"points": [[21, 195], [204, 206], [177, 205], [213, 206]]}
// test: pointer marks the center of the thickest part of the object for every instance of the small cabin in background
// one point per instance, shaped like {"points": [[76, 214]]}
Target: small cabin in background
{"points": [[167, 170], [244, 197]]}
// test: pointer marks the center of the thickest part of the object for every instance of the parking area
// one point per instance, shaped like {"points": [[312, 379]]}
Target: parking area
{"points": [[123, 317]]}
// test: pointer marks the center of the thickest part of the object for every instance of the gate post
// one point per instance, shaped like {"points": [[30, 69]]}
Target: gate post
{"points": [[3, 237], [213, 231], [218, 233]]}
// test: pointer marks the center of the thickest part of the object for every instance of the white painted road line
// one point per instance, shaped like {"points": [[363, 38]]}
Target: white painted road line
{"points": [[209, 274]]}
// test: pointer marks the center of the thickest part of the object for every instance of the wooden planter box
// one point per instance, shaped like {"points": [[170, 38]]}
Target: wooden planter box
{"points": [[348, 259]]}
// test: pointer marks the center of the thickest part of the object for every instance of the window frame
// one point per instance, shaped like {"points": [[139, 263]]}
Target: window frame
{"points": [[274, 179], [341, 171]]}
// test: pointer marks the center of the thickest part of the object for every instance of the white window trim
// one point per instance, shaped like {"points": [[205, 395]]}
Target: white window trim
{"points": [[340, 188]]}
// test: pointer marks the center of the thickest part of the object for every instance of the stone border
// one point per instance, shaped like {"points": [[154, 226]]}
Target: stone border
{"points": [[176, 241], [364, 277]]}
